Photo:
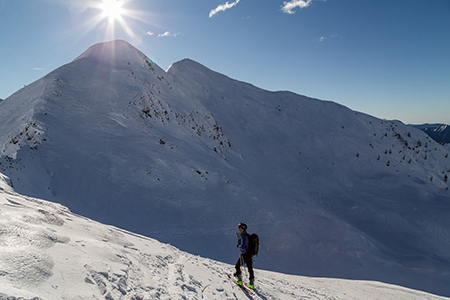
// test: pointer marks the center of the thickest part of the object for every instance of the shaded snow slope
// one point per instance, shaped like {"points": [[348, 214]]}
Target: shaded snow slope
{"points": [[184, 155], [47, 252]]}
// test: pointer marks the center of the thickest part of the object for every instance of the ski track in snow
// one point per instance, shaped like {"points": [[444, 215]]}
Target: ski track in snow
{"points": [[47, 252]]}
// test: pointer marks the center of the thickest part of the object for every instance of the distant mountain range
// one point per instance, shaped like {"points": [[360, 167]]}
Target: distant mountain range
{"points": [[184, 155], [438, 132]]}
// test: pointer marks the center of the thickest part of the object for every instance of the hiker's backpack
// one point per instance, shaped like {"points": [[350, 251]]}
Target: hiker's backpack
{"points": [[253, 244]]}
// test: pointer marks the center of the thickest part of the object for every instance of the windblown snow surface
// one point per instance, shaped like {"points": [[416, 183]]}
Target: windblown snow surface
{"points": [[183, 155], [48, 252]]}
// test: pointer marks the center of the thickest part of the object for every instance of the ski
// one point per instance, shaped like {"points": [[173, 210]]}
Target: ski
{"points": [[244, 288]]}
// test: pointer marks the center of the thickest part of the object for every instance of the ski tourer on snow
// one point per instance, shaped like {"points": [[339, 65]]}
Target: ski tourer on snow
{"points": [[248, 246]]}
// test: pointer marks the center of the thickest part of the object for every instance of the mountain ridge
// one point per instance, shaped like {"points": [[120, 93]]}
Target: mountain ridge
{"points": [[438, 132], [185, 155]]}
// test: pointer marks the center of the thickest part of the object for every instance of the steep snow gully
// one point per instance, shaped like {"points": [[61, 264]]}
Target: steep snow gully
{"points": [[183, 155]]}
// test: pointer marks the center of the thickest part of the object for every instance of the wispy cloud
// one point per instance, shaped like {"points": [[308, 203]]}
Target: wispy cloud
{"points": [[168, 34], [38, 69], [289, 6], [149, 33], [223, 7], [323, 38]]}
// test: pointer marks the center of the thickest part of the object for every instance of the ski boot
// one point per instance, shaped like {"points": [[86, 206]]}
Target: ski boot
{"points": [[238, 279], [251, 284]]}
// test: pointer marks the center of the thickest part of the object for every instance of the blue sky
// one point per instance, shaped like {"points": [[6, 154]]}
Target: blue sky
{"points": [[387, 58]]}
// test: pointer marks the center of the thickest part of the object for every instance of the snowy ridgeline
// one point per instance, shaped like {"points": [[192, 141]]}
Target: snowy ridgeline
{"points": [[47, 252], [183, 155], [439, 132]]}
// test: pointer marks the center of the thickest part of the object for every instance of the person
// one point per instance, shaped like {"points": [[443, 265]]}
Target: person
{"points": [[245, 257]]}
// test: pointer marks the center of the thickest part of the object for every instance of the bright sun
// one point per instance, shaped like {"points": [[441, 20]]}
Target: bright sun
{"points": [[113, 17], [112, 9]]}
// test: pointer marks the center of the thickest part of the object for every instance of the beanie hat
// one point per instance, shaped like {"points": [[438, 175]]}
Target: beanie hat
{"points": [[243, 226]]}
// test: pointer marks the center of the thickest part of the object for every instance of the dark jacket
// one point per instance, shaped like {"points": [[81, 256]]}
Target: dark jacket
{"points": [[243, 242]]}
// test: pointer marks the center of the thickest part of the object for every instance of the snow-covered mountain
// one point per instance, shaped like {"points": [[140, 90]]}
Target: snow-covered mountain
{"points": [[48, 252], [183, 155], [438, 132]]}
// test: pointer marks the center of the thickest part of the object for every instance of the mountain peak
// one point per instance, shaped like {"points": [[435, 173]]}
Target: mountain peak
{"points": [[107, 49], [190, 66], [117, 53]]}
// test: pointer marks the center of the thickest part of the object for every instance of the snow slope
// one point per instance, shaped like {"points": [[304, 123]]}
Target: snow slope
{"points": [[48, 252], [183, 155]]}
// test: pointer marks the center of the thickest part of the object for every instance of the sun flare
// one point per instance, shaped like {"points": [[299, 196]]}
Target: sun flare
{"points": [[116, 19], [112, 9]]}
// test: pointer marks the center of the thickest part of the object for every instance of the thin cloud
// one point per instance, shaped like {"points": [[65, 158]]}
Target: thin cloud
{"points": [[38, 69], [223, 7], [168, 34], [149, 33], [289, 6], [323, 38]]}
